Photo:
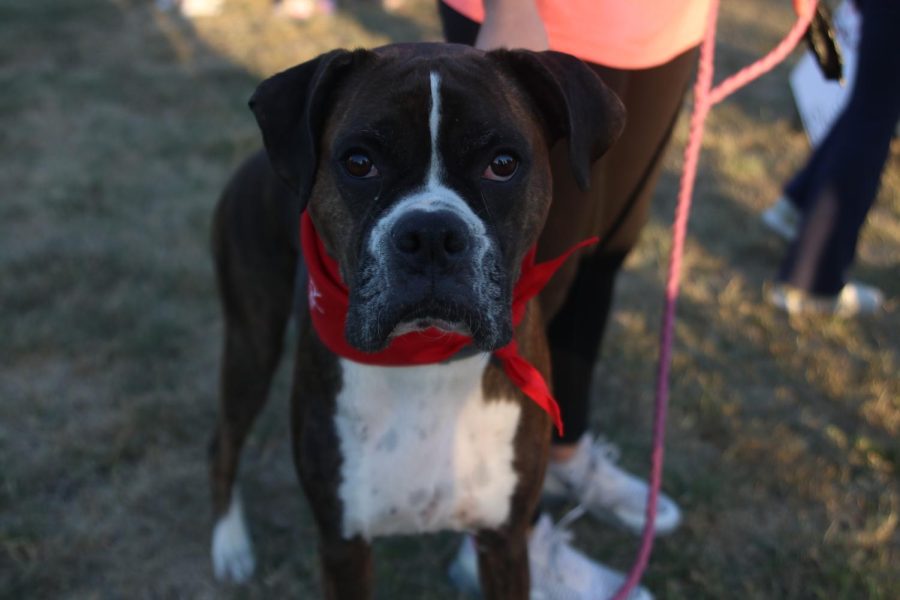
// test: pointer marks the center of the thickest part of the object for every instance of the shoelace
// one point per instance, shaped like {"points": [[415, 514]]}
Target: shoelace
{"points": [[557, 538], [602, 453], [607, 449]]}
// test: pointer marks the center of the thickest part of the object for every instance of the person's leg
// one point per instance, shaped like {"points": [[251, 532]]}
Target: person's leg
{"points": [[841, 181], [457, 28], [785, 216], [579, 299]]}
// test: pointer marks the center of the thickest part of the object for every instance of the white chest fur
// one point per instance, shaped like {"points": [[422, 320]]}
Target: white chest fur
{"points": [[422, 449]]}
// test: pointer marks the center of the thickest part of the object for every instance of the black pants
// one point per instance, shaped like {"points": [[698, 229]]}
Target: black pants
{"points": [[837, 187], [579, 299]]}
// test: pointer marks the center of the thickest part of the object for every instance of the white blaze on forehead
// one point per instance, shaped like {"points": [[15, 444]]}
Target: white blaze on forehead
{"points": [[434, 123], [434, 195]]}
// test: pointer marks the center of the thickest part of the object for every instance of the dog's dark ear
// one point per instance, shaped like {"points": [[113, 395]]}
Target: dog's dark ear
{"points": [[291, 108], [573, 100]]}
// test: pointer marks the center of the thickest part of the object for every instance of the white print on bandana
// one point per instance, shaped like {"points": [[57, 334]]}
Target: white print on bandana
{"points": [[314, 295]]}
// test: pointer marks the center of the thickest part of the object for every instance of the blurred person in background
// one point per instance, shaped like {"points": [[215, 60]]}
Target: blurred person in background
{"points": [[825, 205], [291, 9]]}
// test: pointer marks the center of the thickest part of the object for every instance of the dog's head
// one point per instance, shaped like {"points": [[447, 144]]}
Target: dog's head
{"points": [[425, 168]]}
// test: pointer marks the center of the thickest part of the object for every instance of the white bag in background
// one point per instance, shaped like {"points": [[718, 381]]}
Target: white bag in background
{"points": [[820, 101]]}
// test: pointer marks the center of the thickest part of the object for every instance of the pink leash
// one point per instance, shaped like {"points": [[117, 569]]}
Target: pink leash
{"points": [[705, 96]]}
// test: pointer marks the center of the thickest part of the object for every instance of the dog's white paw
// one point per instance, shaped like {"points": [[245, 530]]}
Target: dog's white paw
{"points": [[232, 552]]}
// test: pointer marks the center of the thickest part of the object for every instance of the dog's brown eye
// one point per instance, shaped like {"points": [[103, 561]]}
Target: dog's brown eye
{"points": [[501, 168], [359, 165]]}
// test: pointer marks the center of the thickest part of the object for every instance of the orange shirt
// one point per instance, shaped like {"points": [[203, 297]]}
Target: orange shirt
{"points": [[625, 34]]}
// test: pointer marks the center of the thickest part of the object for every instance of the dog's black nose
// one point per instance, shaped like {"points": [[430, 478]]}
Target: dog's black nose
{"points": [[438, 238]]}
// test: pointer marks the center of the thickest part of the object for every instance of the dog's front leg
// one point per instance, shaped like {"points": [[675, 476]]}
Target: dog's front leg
{"points": [[503, 564], [346, 568]]}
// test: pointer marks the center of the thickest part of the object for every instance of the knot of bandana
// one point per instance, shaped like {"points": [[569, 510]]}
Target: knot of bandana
{"points": [[329, 301]]}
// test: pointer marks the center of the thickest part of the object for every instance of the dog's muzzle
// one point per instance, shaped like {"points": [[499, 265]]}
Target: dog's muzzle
{"points": [[433, 272], [436, 243]]}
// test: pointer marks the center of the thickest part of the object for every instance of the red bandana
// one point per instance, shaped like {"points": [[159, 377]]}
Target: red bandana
{"points": [[329, 301]]}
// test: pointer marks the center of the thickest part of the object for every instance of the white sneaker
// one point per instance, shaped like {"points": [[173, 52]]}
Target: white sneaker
{"points": [[854, 299], [783, 218], [301, 10], [592, 479], [192, 8], [558, 571]]}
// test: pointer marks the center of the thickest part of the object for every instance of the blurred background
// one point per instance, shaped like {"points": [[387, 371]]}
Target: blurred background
{"points": [[120, 121]]}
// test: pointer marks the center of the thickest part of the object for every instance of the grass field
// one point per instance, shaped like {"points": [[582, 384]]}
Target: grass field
{"points": [[118, 127]]}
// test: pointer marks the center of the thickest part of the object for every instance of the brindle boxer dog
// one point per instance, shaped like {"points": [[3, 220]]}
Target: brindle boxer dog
{"points": [[425, 171]]}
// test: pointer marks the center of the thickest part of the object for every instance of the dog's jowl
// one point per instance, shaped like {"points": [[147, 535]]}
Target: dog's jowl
{"points": [[420, 177]]}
